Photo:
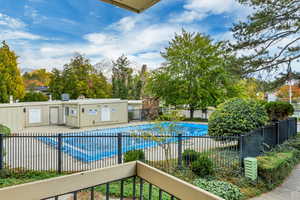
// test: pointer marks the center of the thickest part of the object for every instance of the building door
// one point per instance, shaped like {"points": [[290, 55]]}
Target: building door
{"points": [[54, 115], [105, 113]]}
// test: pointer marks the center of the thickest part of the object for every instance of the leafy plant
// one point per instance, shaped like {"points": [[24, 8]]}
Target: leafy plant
{"points": [[237, 116], [278, 110], [189, 156], [134, 155], [34, 96], [222, 189], [4, 130], [203, 166]]}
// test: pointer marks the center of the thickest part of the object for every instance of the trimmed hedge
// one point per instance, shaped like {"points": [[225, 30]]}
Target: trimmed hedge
{"points": [[275, 167], [4, 130], [134, 155], [203, 166], [278, 110], [189, 156], [222, 189], [237, 116]]}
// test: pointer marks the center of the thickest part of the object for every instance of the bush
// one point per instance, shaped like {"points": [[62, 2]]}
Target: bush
{"points": [[189, 156], [203, 166], [34, 97], [275, 167], [222, 189], [278, 110], [134, 155], [4, 130], [237, 116]]}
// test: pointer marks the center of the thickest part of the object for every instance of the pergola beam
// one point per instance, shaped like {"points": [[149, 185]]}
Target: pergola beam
{"points": [[137, 6]]}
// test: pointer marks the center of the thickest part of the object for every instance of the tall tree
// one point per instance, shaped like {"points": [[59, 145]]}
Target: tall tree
{"points": [[122, 78], [194, 73], [79, 77], [36, 78], [11, 82], [271, 34]]}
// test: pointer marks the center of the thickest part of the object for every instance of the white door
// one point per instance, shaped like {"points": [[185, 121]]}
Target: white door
{"points": [[105, 113], [34, 116], [53, 115]]}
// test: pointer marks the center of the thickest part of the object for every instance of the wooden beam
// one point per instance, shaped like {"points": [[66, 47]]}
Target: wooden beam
{"points": [[129, 6], [66, 184], [175, 186]]}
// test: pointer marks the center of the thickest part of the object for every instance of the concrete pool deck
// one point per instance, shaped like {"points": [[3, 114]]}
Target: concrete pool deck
{"points": [[64, 129]]}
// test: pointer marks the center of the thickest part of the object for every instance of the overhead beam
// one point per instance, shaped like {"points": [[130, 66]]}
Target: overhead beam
{"points": [[137, 6]]}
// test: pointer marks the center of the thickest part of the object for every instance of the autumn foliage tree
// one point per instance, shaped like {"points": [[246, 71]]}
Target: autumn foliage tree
{"points": [[11, 82], [283, 92]]}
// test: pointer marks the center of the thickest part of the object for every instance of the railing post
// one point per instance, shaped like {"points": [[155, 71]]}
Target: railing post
{"points": [[180, 150], [59, 156], [1, 151], [119, 148]]}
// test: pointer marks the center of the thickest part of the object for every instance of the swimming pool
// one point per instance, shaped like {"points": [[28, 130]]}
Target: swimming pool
{"points": [[89, 146]]}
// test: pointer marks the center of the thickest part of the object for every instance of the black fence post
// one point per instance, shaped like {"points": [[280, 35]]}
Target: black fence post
{"points": [[277, 126], [180, 150], [296, 127], [241, 146], [59, 156], [1, 151], [119, 148]]}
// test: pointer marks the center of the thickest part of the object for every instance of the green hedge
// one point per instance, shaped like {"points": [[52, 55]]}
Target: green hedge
{"points": [[278, 110], [237, 116], [275, 167], [222, 189], [134, 155], [4, 130]]}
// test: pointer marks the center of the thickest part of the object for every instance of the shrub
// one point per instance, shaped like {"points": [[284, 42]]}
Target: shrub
{"points": [[237, 116], [34, 96], [134, 155], [4, 130], [278, 110], [203, 166], [222, 189], [189, 156], [275, 167]]}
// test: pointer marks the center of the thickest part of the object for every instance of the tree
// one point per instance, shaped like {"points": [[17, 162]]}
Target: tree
{"points": [[194, 73], [34, 96], [11, 82], [36, 78], [271, 34], [121, 78], [79, 77], [283, 93]]}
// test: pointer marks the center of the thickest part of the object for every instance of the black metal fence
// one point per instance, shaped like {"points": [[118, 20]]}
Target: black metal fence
{"points": [[72, 152], [75, 152], [264, 139]]}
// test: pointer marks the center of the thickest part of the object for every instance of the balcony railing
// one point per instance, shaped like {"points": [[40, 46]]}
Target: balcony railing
{"points": [[138, 174]]}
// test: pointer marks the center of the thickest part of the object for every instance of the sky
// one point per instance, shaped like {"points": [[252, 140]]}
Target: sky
{"points": [[47, 33]]}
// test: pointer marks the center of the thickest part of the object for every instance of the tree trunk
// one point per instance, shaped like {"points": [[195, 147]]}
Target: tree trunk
{"points": [[192, 113]]}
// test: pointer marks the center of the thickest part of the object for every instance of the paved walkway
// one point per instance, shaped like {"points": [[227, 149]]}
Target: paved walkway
{"points": [[289, 190]]}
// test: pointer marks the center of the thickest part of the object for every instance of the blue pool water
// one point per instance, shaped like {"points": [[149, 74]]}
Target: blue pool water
{"points": [[95, 145]]}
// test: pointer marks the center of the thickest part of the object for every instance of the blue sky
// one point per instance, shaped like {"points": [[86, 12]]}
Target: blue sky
{"points": [[47, 33]]}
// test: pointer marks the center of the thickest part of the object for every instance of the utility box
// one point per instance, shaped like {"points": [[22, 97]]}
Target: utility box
{"points": [[250, 168]]}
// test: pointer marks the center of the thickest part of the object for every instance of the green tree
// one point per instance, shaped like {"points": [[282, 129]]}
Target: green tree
{"points": [[194, 73], [271, 33], [11, 82], [36, 78], [79, 77], [121, 78], [34, 96]]}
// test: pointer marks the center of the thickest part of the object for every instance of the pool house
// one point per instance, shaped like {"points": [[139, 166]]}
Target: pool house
{"points": [[72, 113]]}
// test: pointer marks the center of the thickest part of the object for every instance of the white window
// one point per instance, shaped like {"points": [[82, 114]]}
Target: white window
{"points": [[105, 113], [34, 116], [73, 112], [92, 112]]}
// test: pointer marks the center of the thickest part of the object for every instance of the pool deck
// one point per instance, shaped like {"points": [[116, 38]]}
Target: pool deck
{"points": [[64, 129]]}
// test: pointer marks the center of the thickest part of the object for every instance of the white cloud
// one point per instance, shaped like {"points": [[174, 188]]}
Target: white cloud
{"points": [[199, 9], [17, 35], [10, 22]]}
